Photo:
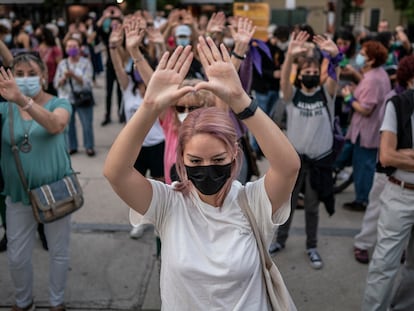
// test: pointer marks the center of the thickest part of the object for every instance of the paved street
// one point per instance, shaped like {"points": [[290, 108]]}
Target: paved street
{"points": [[110, 271]]}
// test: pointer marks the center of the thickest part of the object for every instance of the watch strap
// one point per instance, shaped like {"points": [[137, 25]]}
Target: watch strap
{"points": [[248, 111]]}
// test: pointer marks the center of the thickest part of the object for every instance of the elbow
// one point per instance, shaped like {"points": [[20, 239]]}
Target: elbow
{"points": [[385, 159], [296, 164]]}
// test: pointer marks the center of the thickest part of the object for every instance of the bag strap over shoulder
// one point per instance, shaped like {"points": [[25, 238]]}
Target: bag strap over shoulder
{"points": [[15, 151], [264, 255]]}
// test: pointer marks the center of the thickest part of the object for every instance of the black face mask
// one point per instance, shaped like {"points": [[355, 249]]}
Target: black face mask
{"points": [[310, 81], [209, 179]]}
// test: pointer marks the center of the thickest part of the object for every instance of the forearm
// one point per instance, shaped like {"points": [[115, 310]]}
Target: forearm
{"points": [[141, 64], [241, 49], [285, 85], [119, 70], [273, 142], [53, 122], [5, 54], [397, 159], [122, 155]]}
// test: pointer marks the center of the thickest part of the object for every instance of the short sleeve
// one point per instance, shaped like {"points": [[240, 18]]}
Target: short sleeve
{"points": [[389, 122]]}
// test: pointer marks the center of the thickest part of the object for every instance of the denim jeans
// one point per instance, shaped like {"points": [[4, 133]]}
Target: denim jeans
{"points": [[86, 118], [266, 102], [364, 162]]}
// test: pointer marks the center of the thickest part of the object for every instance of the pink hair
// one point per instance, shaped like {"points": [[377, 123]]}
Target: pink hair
{"points": [[216, 122]]}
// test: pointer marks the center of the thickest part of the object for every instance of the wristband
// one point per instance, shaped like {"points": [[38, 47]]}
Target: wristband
{"points": [[333, 63], [348, 99], [248, 111], [28, 105], [238, 56]]}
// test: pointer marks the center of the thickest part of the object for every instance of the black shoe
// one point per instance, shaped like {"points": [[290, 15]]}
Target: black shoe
{"points": [[73, 151], [42, 236], [105, 122], [355, 206], [90, 152], [3, 243]]}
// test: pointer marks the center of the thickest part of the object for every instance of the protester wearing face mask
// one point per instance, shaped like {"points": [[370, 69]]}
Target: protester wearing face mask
{"points": [[310, 109], [76, 70], [205, 237], [6, 57], [39, 123], [367, 101]]}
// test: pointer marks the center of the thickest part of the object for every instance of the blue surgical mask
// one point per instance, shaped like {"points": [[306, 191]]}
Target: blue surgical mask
{"points": [[7, 38], [28, 29], [360, 60], [182, 41], [29, 86]]}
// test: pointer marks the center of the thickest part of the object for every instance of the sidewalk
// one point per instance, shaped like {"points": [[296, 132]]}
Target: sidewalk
{"points": [[110, 271]]}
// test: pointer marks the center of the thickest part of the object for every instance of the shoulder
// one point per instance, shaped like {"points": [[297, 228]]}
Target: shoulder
{"points": [[56, 102]]}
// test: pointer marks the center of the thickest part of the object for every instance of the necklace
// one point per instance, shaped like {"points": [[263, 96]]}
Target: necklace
{"points": [[25, 146]]}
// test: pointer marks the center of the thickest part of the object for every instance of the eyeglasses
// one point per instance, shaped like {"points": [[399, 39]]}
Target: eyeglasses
{"points": [[181, 109]]}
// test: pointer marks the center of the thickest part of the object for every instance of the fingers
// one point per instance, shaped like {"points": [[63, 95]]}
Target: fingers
{"points": [[302, 36], [173, 58], [208, 51], [184, 61]]}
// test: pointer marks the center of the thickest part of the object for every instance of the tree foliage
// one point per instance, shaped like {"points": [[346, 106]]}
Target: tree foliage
{"points": [[407, 9]]}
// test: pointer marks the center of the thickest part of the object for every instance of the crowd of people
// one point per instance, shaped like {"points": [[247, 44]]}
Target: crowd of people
{"points": [[197, 96]]}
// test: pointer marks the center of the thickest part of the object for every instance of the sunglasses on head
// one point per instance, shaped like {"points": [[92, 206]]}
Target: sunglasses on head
{"points": [[181, 109], [34, 54]]}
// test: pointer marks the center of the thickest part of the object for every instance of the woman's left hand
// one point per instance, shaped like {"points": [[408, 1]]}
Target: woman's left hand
{"points": [[326, 44], [223, 79], [8, 87]]}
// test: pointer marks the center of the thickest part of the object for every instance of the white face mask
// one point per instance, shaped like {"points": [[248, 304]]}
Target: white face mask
{"points": [[182, 116], [229, 42]]}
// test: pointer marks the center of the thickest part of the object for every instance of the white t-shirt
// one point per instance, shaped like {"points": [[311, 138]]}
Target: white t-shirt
{"points": [[210, 259], [390, 124], [131, 104]]}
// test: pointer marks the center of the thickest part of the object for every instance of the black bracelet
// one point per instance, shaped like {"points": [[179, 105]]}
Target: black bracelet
{"points": [[248, 111], [238, 56]]}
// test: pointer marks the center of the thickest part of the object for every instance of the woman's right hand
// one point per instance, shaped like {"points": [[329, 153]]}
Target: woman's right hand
{"points": [[8, 87], [163, 89], [116, 36]]}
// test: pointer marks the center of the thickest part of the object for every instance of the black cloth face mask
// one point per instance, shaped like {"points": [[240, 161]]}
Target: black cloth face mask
{"points": [[310, 81], [209, 179]]}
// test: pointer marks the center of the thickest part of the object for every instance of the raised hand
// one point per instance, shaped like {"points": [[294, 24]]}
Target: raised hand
{"points": [[216, 22], [326, 44], [297, 43], [117, 35], [163, 89], [223, 79], [133, 32], [244, 32], [155, 36], [8, 87]]}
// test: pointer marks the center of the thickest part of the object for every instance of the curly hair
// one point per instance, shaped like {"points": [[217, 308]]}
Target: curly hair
{"points": [[405, 71], [375, 50]]}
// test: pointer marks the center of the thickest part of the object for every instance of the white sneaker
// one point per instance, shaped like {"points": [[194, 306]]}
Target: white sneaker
{"points": [[137, 232]]}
